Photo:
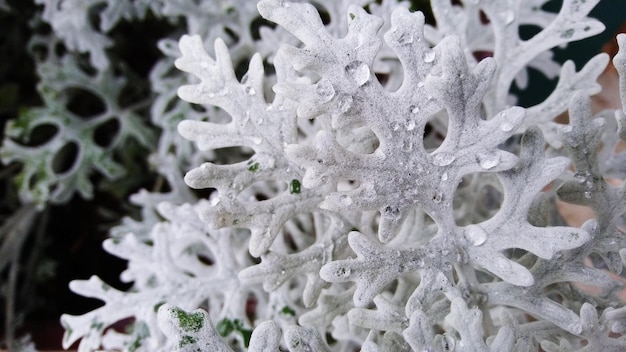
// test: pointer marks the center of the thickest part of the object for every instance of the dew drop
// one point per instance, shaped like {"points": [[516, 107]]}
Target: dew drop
{"points": [[488, 160], [245, 79], [250, 91], [215, 201], [414, 109], [344, 102], [359, 71], [429, 57], [444, 177], [345, 200], [405, 38], [245, 119], [508, 16], [395, 126], [587, 194], [475, 235], [420, 84], [506, 126], [325, 90], [443, 159]]}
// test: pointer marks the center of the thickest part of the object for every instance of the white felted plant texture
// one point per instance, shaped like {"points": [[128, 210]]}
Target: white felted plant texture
{"points": [[385, 192]]}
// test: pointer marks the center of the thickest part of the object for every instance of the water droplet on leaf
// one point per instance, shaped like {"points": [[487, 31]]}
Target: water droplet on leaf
{"points": [[506, 126], [343, 103], [345, 200], [488, 160], [475, 235], [359, 71], [405, 38], [508, 16], [325, 90], [429, 57], [443, 159]]}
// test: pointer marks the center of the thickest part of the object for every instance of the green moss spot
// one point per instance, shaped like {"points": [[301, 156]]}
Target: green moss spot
{"points": [[253, 166], [186, 340], [294, 187], [246, 334], [224, 327], [352, 16], [288, 311], [189, 322]]}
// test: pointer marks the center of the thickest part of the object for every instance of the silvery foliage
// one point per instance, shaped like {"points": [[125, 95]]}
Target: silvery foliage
{"points": [[379, 208], [51, 172]]}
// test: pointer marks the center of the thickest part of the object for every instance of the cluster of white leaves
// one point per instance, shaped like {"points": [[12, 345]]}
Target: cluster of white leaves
{"points": [[358, 210]]}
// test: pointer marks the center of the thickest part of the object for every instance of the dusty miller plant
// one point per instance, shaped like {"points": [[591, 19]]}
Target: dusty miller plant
{"points": [[385, 192]]}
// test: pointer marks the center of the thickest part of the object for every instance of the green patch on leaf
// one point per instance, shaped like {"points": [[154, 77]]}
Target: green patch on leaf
{"points": [[186, 340], [189, 322], [226, 326], [253, 166], [295, 187], [288, 311]]}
